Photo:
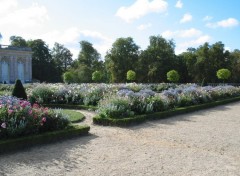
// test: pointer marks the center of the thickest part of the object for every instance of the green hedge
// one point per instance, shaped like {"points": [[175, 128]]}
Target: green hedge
{"points": [[10, 145], [70, 106], [159, 115]]}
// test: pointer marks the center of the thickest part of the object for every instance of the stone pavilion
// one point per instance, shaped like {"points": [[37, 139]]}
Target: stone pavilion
{"points": [[15, 63]]}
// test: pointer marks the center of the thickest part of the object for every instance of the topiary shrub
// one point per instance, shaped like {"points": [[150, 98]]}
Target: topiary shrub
{"points": [[19, 91]]}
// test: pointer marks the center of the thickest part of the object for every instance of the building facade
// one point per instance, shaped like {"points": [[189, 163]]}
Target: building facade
{"points": [[15, 63]]}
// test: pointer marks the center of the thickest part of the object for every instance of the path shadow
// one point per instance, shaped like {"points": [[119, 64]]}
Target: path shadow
{"points": [[48, 152]]}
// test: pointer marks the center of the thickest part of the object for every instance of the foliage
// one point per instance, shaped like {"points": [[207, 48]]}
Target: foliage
{"points": [[97, 76], [41, 94], [19, 118], [173, 76], [115, 107], [18, 41], [131, 75], [68, 77], [61, 56], [123, 56], [43, 66], [158, 115], [19, 91], [202, 63], [223, 74], [156, 60]]}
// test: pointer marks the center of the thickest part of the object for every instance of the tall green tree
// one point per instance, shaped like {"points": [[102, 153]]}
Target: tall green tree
{"points": [[156, 60], [89, 56], [235, 65], [202, 63], [62, 57], [43, 66], [89, 60], [123, 56]]}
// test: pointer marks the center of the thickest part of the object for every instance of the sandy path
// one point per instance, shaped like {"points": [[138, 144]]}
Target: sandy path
{"points": [[201, 143]]}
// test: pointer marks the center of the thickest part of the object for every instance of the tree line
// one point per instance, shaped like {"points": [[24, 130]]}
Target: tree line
{"points": [[148, 66]]}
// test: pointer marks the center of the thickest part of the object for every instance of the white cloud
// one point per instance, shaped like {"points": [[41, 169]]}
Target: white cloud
{"points": [[7, 5], [141, 8], [188, 33], [230, 22], [207, 18], [183, 46], [144, 26], [71, 37], [227, 48], [186, 18], [179, 4], [24, 18]]}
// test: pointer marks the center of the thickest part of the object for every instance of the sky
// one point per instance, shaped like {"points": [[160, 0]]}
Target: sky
{"points": [[190, 23]]}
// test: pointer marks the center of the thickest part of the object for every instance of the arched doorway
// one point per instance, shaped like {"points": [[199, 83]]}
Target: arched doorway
{"points": [[21, 71], [5, 72]]}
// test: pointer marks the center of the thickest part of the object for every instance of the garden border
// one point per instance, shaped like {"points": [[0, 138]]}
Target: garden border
{"points": [[159, 115], [10, 145], [70, 106]]}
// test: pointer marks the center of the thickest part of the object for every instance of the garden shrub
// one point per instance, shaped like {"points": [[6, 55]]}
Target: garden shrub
{"points": [[19, 91], [42, 94], [19, 118], [115, 107]]}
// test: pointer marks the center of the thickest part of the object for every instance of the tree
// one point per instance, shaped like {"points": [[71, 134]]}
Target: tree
{"points": [[157, 59], [88, 62], [223, 74], [18, 41], [19, 91], [43, 66], [89, 56], [68, 77], [173, 76], [97, 76], [131, 75], [62, 57], [123, 56]]}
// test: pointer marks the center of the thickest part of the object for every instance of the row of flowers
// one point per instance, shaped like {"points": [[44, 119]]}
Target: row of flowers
{"points": [[19, 118], [126, 103], [84, 94]]}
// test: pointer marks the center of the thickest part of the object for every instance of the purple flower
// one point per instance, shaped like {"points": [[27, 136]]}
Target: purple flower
{"points": [[3, 125]]}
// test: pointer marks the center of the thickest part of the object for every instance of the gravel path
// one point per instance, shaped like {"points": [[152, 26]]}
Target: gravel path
{"points": [[201, 143]]}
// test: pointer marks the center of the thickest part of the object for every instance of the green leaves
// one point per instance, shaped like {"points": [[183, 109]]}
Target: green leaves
{"points": [[223, 74], [173, 76], [131, 75]]}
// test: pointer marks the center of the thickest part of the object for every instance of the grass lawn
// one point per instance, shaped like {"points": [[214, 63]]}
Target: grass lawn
{"points": [[74, 116]]}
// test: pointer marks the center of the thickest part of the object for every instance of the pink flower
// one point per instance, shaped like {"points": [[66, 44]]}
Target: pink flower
{"points": [[10, 111], [3, 125], [35, 105], [44, 119], [30, 112]]}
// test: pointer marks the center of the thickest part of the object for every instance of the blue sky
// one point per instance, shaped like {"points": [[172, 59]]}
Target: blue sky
{"points": [[189, 23]]}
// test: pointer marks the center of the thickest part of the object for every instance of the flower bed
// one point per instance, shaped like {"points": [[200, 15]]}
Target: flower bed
{"points": [[126, 104], [18, 118], [158, 115], [23, 125]]}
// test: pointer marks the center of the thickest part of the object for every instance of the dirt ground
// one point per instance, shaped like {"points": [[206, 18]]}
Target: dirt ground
{"points": [[198, 144]]}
